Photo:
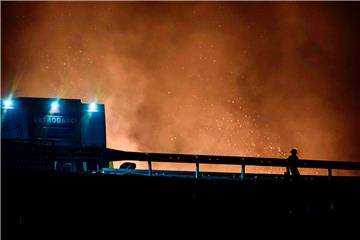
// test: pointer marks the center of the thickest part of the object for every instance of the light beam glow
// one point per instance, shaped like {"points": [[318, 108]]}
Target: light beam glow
{"points": [[55, 107], [8, 103], [93, 107]]}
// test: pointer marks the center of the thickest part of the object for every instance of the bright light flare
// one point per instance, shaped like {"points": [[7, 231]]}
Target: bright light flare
{"points": [[93, 107], [55, 107], [8, 103]]}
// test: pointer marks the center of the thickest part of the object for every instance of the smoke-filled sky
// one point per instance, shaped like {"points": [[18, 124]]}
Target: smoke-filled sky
{"points": [[231, 78]]}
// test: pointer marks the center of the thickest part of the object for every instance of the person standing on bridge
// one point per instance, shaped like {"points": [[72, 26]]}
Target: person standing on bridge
{"points": [[292, 162]]}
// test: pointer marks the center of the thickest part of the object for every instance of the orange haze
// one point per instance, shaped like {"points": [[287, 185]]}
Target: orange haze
{"points": [[245, 78]]}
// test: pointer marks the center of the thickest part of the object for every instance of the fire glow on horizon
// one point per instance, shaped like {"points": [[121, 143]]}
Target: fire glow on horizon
{"points": [[249, 79]]}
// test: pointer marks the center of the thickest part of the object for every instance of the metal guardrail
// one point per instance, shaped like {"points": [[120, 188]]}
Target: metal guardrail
{"points": [[228, 160], [101, 155]]}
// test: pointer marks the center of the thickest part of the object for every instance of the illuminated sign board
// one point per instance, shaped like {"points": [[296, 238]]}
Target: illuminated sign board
{"points": [[62, 121], [65, 126], [55, 120]]}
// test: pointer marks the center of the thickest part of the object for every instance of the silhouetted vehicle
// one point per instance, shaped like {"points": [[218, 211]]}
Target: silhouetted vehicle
{"points": [[128, 165]]}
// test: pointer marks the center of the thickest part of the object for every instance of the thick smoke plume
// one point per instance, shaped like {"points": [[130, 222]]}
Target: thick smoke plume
{"points": [[252, 79]]}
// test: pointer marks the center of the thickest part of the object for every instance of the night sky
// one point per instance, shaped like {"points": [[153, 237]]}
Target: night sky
{"points": [[230, 78]]}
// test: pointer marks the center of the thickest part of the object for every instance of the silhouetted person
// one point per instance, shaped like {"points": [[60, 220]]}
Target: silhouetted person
{"points": [[292, 163]]}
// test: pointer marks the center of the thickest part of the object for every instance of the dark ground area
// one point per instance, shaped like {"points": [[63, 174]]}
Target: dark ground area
{"points": [[52, 198]]}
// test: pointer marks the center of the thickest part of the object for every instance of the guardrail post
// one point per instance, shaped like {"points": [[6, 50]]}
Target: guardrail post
{"points": [[100, 157], [84, 165], [53, 154], [242, 168], [97, 166], [150, 167], [197, 169], [330, 173]]}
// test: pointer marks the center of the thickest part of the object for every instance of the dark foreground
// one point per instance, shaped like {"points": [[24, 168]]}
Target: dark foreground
{"points": [[44, 198]]}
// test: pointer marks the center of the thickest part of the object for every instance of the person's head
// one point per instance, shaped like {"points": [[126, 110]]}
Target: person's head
{"points": [[293, 151]]}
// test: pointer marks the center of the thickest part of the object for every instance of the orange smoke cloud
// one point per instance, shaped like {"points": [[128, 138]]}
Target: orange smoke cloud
{"points": [[251, 79]]}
